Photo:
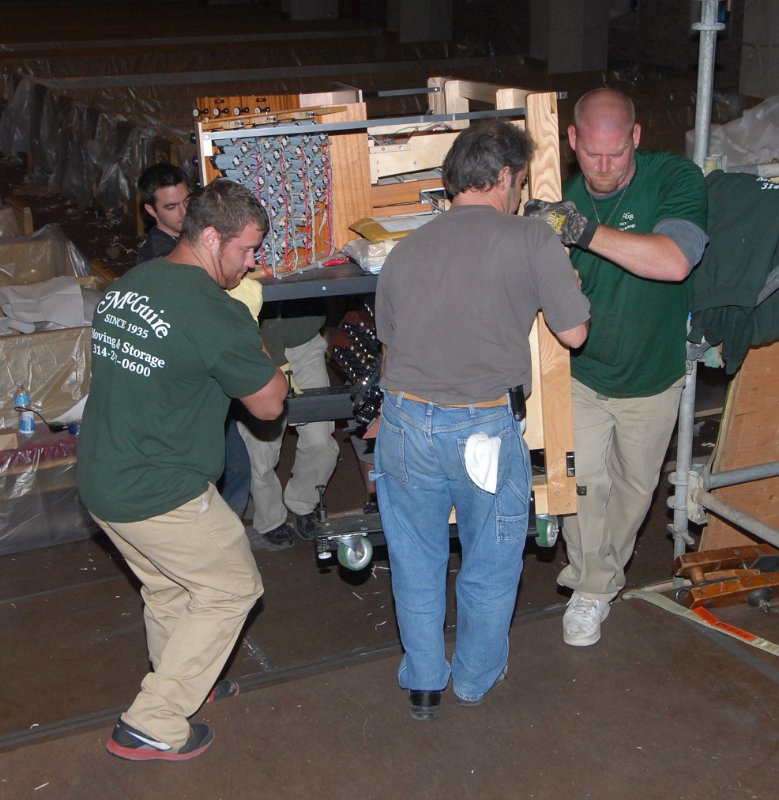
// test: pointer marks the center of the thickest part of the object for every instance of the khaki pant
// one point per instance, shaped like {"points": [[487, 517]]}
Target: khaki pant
{"points": [[199, 581], [620, 445], [316, 452]]}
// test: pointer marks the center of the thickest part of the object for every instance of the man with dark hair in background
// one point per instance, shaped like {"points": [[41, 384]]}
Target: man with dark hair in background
{"points": [[164, 193]]}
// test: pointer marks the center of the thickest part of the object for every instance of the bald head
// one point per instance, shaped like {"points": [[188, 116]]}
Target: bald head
{"points": [[604, 108], [604, 137]]}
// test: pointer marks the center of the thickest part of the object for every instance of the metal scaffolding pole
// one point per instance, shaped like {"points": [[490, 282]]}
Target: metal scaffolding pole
{"points": [[708, 27], [737, 517]]}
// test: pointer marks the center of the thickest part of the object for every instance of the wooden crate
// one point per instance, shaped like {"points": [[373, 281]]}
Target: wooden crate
{"points": [[361, 158], [550, 426]]}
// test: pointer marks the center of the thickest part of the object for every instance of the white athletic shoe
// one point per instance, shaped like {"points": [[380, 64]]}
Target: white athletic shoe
{"points": [[582, 619]]}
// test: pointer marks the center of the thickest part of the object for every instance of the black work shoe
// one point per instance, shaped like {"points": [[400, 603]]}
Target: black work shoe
{"points": [[479, 700], [134, 745], [279, 538], [222, 690], [424, 705], [306, 526]]}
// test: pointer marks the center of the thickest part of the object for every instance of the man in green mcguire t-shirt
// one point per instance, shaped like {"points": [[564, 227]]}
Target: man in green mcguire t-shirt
{"points": [[169, 349], [635, 221]]}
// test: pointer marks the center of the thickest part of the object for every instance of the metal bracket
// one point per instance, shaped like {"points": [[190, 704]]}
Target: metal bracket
{"points": [[310, 125], [695, 511]]}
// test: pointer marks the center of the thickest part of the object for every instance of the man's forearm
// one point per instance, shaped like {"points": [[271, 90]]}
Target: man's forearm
{"points": [[648, 255]]}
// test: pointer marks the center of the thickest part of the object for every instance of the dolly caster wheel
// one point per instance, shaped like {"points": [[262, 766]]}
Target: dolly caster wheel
{"points": [[355, 557], [547, 531], [684, 597], [760, 598]]}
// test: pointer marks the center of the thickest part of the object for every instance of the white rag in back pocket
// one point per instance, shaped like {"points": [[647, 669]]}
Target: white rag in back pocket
{"points": [[482, 453]]}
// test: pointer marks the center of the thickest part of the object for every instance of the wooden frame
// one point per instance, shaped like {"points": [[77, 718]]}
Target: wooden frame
{"points": [[359, 159], [550, 421], [348, 153]]}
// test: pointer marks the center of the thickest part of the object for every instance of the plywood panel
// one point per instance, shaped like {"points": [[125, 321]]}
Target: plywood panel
{"points": [[416, 153], [749, 436], [389, 194], [351, 174]]}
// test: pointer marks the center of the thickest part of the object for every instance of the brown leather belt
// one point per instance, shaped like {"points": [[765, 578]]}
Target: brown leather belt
{"points": [[502, 401]]}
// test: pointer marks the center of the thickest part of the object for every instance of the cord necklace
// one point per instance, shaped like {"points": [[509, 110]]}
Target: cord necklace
{"points": [[613, 210]]}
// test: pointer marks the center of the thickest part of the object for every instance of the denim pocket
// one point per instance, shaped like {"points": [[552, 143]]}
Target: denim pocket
{"points": [[511, 512], [389, 455], [513, 496]]}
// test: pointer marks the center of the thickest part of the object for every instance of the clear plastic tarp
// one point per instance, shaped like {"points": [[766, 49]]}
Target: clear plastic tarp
{"points": [[46, 253], [39, 504], [752, 139]]}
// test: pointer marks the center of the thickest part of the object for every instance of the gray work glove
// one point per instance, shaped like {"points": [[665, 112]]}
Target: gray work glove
{"points": [[572, 227]]}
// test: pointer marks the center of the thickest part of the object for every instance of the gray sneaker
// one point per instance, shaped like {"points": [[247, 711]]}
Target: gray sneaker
{"points": [[279, 538], [582, 620]]}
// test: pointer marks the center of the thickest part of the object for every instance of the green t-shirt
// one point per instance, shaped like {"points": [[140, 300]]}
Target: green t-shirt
{"points": [[636, 345], [169, 350]]}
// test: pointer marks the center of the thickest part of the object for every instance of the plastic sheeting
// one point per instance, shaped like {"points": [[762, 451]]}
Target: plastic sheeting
{"points": [[45, 254], [92, 144], [82, 152], [750, 140], [39, 503], [53, 365]]}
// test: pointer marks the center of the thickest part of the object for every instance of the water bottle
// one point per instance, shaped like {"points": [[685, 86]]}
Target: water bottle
{"points": [[26, 418]]}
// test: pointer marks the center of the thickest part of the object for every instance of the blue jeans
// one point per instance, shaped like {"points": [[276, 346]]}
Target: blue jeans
{"points": [[237, 478], [420, 474]]}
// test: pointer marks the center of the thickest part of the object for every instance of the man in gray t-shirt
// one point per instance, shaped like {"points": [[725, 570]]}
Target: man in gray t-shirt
{"points": [[454, 306]]}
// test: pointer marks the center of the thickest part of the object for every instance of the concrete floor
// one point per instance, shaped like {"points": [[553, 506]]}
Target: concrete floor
{"points": [[660, 708]]}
